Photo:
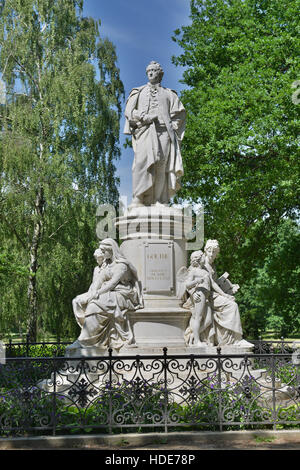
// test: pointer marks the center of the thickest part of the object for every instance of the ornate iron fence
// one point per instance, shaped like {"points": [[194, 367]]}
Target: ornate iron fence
{"points": [[39, 349], [281, 346], [59, 395]]}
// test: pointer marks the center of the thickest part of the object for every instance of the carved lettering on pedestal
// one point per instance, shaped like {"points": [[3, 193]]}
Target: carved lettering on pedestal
{"points": [[158, 267]]}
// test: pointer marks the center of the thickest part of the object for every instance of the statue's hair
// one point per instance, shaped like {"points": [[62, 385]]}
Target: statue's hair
{"points": [[197, 254], [157, 65], [213, 243]]}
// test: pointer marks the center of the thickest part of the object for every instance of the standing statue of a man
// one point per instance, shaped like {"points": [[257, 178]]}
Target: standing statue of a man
{"points": [[155, 118]]}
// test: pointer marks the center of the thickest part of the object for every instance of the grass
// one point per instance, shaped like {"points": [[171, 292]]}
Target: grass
{"points": [[17, 338], [273, 336], [123, 442], [261, 439]]}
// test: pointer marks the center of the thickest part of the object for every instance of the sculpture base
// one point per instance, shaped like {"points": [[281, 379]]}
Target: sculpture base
{"points": [[77, 350], [158, 328]]}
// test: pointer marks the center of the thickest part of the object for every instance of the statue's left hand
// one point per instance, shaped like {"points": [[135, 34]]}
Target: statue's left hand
{"points": [[235, 288]]}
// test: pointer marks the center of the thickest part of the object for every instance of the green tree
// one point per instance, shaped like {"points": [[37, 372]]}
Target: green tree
{"points": [[59, 141], [241, 147], [270, 299]]}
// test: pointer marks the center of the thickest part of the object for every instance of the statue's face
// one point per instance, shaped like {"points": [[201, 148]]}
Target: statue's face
{"points": [[211, 253], [153, 74], [107, 252], [196, 260], [99, 256]]}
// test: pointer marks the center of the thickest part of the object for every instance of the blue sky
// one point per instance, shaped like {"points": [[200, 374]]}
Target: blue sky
{"points": [[142, 31]]}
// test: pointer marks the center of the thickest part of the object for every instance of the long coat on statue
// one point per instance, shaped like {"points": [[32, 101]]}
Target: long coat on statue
{"points": [[156, 144]]}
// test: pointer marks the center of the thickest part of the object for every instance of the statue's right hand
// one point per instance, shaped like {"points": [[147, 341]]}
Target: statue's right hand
{"points": [[146, 119]]}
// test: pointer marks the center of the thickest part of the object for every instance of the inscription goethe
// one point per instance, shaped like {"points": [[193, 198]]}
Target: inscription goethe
{"points": [[158, 270]]}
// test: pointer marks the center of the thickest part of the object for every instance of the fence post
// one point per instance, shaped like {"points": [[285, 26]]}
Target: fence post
{"points": [[166, 398], [27, 345], [220, 388], [260, 346], [110, 390], [54, 401], [273, 365], [282, 348]]}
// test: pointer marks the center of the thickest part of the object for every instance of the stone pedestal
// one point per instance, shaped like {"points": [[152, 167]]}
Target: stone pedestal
{"points": [[157, 262], [77, 350], [157, 328], [154, 242]]}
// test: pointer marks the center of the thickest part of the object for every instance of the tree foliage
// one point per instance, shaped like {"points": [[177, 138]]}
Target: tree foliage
{"points": [[269, 300], [58, 145], [241, 146]]}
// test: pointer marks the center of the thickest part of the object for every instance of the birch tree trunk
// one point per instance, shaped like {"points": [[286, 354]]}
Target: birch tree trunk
{"points": [[32, 282]]}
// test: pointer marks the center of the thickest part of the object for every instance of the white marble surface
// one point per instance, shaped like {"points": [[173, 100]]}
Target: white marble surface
{"points": [[155, 118]]}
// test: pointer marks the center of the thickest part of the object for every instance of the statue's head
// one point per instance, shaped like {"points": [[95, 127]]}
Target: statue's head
{"points": [[197, 258], [109, 247], [99, 256], [111, 250], [154, 72], [212, 249]]}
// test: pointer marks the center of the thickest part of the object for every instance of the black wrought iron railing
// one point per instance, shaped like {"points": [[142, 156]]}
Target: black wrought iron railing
{"points": [[280, 346], [27, 348], [60, 395]]}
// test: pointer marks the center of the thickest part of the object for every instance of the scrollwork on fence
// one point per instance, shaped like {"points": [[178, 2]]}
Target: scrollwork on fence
{"points": [[155, 393]]}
